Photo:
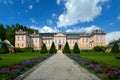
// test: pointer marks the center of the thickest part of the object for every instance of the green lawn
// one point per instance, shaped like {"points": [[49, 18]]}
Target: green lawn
{"points": [[108, 59], [9, 59]]}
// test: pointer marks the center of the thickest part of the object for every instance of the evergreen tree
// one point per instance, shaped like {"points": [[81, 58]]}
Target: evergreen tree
{"points": [[10, 34], [115, 48], [76, 49], [66, 48], [44, 49], [4, 49], [2, 32], [53, 48]]}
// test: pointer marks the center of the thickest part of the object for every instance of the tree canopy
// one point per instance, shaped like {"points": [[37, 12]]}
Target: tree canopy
{"points": [[8, 31]]}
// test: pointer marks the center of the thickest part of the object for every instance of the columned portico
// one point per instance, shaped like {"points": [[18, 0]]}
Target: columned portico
{"points": [[59, 40]]}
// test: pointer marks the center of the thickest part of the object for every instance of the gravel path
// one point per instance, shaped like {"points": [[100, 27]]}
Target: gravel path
{"points": [[60, 67]]}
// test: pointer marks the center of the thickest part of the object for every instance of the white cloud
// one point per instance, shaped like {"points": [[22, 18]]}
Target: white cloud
{"points": [[83, 29], [112, 35], [45, 29], [58, 1], [79, 11], [30, 7], [118, 17]]}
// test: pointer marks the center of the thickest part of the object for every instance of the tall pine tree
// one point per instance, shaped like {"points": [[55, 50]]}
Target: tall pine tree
{"points": [[66, 48], [53, 48], [76, 49], [44, 49], [2, 32]]}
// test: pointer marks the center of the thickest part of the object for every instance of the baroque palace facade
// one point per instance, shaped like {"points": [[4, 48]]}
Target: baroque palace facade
{"points": [[84, 40]]}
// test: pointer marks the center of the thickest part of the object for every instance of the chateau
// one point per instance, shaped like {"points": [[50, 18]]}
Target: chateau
{"points": [[84, 40]]}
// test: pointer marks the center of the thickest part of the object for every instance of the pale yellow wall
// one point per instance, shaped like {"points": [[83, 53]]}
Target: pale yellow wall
{"points": [[86, 44], [21, 41]]}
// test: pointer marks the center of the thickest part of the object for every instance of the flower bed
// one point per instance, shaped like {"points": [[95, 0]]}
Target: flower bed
{"points": [[9, 73], [104, 72]]}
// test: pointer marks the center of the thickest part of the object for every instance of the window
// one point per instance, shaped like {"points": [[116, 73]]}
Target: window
{"points": [[83, 40], [87, 40], [45, 41], [96, 38], [59, 41], [18, 38], [48, 41], [73, 41], [70, 41], [22, 44], [36, 40], [55, 41], [22, 37], [63, 41]]}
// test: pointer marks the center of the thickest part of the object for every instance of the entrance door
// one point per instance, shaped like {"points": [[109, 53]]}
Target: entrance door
{"points": [[59, 47]]}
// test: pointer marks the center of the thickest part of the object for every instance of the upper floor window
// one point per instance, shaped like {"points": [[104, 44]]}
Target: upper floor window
{"points": [[36, 40], [48, 41], [87, 40], [73, 41], [18, 38], [59, 41], [63, 41], [70, 41], [97, 38], [55, 41], [22, 37], [83, 40]]}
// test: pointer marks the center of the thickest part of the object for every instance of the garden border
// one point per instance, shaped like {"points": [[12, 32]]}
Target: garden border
{"points": [[25, 74]]}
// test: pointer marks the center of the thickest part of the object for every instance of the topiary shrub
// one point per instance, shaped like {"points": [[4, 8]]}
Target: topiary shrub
{"points": [[28, 49], [53, 48], [115, 48], [16, 50], [44, 49], [4, 49], [66, 48], [99, 49], [76, 49]]}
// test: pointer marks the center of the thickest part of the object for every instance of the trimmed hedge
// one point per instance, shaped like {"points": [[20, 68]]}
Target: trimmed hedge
{"points": [[66, 48], [53, 48], [44, 49], [76, 49], [99, 49]]}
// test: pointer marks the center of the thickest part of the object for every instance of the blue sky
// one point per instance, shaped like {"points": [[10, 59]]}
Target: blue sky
{"points": [[64, 15]]}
